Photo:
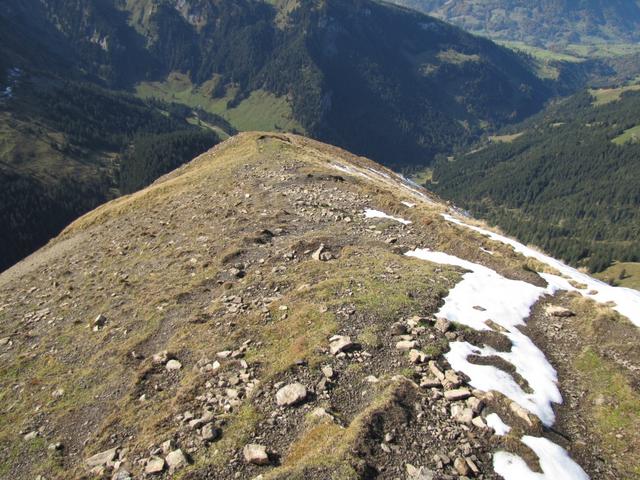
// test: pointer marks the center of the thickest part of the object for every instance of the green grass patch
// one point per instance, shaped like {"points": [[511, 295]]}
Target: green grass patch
{"points": [[603, 96], [261, 111], [505, 138], [616, 408], [622, 274]]}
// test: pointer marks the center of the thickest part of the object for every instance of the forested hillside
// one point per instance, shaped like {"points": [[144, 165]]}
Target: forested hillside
{"points": [[61, 154], [566, 180], [543, 23]]}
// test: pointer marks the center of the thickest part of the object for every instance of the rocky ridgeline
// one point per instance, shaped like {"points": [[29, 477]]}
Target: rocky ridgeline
{"points": [[233, 329]]}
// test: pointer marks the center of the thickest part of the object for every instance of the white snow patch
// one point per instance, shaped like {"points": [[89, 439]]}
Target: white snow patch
{"points": [[369, 213], [626, 301], [554, 462], [489, 252], [495, 422], [507, 303], [408, 204]]}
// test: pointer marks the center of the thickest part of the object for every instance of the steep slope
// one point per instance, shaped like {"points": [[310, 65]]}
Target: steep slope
{"points": [[563, 180], [279, 307], [546, 23], [385, 82]]}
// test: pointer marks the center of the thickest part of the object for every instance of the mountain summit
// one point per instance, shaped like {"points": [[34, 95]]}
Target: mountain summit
{"points": [[280, 309]]}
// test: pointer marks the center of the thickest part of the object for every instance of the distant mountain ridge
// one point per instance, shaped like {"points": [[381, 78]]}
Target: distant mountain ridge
{"points": [[541, 23], [382, 81]]}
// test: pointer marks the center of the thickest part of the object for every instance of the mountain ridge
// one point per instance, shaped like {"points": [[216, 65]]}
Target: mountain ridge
{"points": [[280, 307]]}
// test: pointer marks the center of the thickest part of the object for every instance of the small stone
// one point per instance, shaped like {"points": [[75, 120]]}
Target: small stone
{"points": [[475, 404], [321, 413], [433, 368], [173, 365], [99, 321], [210, 432], [339, 343], [176, 459], [255, 454], [102, 458], [327, 371], [398, 328], [405, 345], [122, 474], [419, 473], [154, 465], [160, 358], [167, 446], [451, 379], [291, 395], [521, 412], [461, 466], [479, 422], [55, 446], [461, 414], [472, 465], [458, 394], [30, 436], [430, 382], [560, 312], [316, 255], [442, 325], [416, 356]]}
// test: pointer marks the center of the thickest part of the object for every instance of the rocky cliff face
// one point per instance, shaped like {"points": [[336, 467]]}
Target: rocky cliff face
{"points": [[280, 308]]}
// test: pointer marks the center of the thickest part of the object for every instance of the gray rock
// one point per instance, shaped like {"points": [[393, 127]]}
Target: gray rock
{"points": [[457, 394], [461, 414], [255, 454], [317, 254], [154, 465], [210, 432], [173, 365], [160, 358], [406, 345], [291, 394], [328, 372], [560, 312], [398, 328], [30, 436], [461, 466], [102, 458], [122, 474], [433, 368], [419, 473], [442, 325], [339, 343], [99, 322], [176, 460], [417, 356]]}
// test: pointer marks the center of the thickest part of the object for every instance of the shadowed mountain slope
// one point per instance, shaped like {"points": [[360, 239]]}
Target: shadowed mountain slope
{"points": [[280, 307]]}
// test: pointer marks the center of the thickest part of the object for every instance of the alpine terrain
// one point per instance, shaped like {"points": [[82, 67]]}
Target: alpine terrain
{"points": [[100, 97], [279, 308], [544, 23]]}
